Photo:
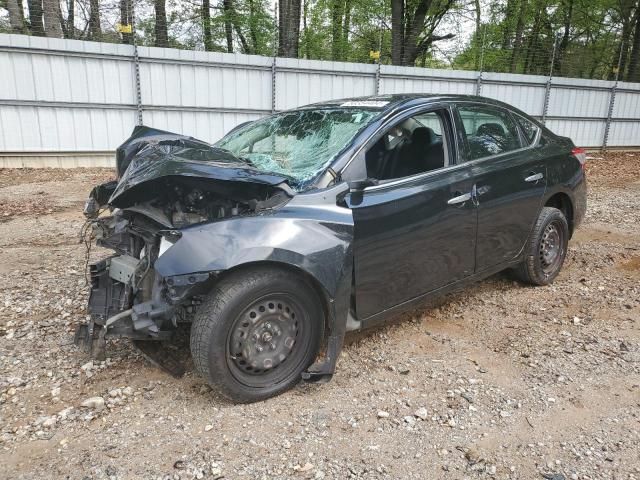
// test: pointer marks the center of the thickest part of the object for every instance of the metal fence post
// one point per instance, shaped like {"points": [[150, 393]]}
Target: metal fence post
{"points": [[378, 78], [479, 79], [612, 101], [136, 62], [273, 85], [547, 88]]}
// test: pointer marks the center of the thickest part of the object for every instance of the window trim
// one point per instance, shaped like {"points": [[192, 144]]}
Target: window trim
{"points": [[460, 159], [536, 137], [497, 155], [419, 176], [453, 148]]}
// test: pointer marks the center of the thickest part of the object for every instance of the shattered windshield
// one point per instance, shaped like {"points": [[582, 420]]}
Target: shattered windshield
{"points": [[299, 144]]}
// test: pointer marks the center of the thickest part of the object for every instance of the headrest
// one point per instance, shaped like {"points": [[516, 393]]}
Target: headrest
{"points": [[493, 129], [422, 135]]}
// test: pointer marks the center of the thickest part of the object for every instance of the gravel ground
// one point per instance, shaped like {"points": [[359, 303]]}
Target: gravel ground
{"points": [[500, 381]]}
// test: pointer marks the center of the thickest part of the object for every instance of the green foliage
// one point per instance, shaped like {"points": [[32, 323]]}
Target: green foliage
{"points": [[581, 35], [586, 38]]}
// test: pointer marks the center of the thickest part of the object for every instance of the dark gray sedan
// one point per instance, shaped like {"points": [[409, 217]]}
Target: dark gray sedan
{"points": [[300, 226]]}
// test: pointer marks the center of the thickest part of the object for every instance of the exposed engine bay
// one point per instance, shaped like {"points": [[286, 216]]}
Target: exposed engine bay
{"points": [[140, 216], [177, 202]]}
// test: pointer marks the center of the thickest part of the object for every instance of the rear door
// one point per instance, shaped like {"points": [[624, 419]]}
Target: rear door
{"points": [[509, 180]]}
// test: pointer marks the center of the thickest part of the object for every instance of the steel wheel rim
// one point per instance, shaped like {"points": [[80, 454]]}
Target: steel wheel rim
{"points": [[551, 248], [266, 341]]}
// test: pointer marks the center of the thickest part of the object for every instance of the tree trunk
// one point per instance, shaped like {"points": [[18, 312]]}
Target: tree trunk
{"points": [[206, 25], [517, 43], [16, 16], [621, 53], [228, 25], [412, 31], [634, 61], [52, 25], [346, 26], [125, 19], [626, 7], [506, 31], [160, 29], [397, 31], [289, 28], [337, 7], [253, 31], [478, 35], [35, 17], [413, 28], [95, 31], [305, 14], [533, 38], [246, 48], [564, 42], [63, 22], [71, 19]]}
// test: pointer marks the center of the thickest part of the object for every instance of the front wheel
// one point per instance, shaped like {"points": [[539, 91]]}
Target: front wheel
{"points": [[546, 248], [256, 332]]}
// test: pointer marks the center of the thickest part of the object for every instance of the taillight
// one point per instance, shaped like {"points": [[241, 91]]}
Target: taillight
{"points": [[580, 154]]}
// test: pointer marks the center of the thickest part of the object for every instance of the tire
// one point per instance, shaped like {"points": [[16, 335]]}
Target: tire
{"points": [[268, 309], [546, 248]]}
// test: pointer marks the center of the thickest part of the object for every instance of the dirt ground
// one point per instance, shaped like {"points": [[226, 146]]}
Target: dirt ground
{"points": [[500, 381]]}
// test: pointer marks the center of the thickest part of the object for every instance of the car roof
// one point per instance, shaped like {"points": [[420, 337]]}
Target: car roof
{"points": [[389, 102]]}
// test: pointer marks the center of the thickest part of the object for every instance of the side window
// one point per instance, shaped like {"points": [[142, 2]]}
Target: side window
{"points": [[529, 129], [412, 146], [489, 131]]}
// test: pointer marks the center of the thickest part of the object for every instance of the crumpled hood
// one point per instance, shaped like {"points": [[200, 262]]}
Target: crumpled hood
{"points": [[151, 155]]}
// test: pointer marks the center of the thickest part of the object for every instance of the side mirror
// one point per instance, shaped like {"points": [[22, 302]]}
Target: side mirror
{"points": [[359, 185]]}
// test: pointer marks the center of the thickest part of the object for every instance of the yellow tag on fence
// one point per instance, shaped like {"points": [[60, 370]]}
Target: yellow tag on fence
{"points": [[374, 54], [124, 28]]}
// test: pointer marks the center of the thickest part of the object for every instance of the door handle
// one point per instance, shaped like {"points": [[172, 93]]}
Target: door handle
{"points": [[459, 199], [534, 177]]}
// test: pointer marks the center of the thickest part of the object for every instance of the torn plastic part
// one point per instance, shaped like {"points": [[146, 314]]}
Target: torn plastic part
{"points": [[298, 144]]}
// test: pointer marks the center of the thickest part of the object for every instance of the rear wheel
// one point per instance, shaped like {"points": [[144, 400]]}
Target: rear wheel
{"points": [[546, 248], [256, 332]]}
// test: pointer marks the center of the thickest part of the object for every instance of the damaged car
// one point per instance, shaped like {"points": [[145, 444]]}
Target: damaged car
{"points": [[301, 226]]}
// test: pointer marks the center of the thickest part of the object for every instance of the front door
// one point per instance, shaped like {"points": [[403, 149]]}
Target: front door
{"points": [[416, 233], [408, 240]]}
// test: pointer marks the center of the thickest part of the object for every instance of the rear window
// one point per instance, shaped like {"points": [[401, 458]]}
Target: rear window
{"points": [[529, 129], [489, 131]]}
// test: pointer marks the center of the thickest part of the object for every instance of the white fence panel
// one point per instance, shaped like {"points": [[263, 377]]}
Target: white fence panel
{"points": [[626, 134], [586, 133], [301, 82], [72, 99], [528, 98], [207, 126], [627, 104], [425, 80], [579, 102]]}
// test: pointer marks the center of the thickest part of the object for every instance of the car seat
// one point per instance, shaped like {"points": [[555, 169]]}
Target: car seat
{"points": [[422, 154]]}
